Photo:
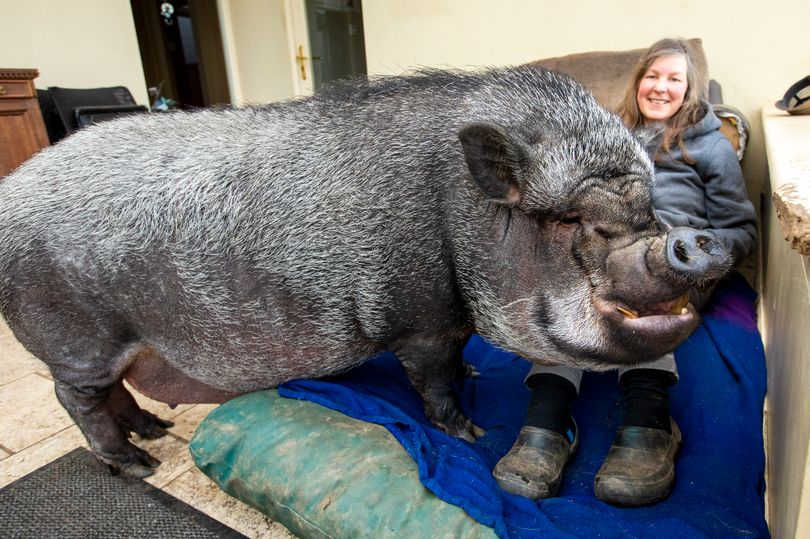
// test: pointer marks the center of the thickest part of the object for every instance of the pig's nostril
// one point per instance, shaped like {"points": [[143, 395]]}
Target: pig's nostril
{"points": [[680, 251], [694, 255]]}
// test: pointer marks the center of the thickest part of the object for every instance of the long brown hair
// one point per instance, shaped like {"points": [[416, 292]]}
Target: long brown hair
{"points": [[691, 110]]}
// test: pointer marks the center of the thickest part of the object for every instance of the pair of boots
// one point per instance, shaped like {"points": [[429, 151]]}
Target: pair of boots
{"points": [[639, 467]]}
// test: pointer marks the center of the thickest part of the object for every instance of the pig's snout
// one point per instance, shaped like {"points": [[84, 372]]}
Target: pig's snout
{"points": [[666, 266], [695, 255]]}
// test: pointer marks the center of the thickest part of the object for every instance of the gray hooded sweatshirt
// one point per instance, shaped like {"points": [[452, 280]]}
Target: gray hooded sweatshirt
{"points": [[709, 194]]}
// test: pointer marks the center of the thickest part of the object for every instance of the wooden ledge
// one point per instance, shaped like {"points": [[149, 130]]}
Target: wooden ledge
{"points": [[786, 142], [792, 203]]}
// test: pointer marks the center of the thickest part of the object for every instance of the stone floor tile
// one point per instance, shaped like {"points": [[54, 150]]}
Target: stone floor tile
{"points": [[186, 423], [40, 454], [173, 456], [29, 412]]}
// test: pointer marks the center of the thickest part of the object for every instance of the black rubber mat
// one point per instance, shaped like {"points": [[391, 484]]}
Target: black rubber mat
{"points": [[75, 496]]}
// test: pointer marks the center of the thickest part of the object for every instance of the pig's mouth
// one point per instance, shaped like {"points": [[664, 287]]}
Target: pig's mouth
{"points": [[675, 306], [665, 317]]}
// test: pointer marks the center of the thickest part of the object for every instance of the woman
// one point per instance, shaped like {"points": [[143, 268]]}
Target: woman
{"points": [[698, 183]]}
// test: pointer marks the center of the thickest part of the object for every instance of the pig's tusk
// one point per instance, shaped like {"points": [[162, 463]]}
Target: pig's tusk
{"points": [[680, 304], [628, 313]]}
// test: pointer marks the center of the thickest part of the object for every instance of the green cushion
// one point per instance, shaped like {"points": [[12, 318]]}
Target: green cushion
{"points": [[321, 473]]}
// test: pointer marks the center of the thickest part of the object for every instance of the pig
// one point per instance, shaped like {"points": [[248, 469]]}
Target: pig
{"points": [[241, 248]]}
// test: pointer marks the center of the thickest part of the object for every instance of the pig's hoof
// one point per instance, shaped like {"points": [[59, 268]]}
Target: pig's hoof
{"points": [[135, 470], [470, 371], [157, 429], [463, 428], [139, 470], [472, 432], [134, 462], [146, 425]]}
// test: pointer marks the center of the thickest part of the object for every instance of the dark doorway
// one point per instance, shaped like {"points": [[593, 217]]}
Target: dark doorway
{"points": [[335, 39], [181, 50]]}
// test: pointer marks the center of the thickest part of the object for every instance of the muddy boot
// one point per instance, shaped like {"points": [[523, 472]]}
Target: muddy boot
{"points": [[534, 466], [640, 466]]}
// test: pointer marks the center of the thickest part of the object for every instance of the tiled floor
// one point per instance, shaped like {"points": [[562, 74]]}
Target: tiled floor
{"points": [[35, 429]]}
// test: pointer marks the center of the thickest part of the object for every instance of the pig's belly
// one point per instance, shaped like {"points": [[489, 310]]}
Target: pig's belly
{"points": [[224, 368]]}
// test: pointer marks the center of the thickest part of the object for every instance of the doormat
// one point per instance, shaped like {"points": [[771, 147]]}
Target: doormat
{"points": [[74, 496]]}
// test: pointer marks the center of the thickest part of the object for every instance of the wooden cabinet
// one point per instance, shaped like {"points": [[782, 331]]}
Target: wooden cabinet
{"points": [[22, 131]]}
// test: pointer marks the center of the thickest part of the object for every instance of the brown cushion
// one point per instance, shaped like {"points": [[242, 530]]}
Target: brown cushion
{"points": [[606, 73], [734, 125]]}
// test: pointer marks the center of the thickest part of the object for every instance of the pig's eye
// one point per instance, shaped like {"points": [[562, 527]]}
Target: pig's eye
{"points": [[570, 218]]}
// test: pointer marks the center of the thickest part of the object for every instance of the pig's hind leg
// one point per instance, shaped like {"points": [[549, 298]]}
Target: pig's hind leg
{"points": [[106, 417], [87, 355], [432, 365], [60, 316], [87, 374]]}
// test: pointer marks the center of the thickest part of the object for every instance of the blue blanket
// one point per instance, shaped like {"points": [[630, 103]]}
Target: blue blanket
{"points": [[719, 485]]}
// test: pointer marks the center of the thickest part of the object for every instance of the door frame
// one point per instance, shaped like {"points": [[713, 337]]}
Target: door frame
{"points": [[295, 13], [156, 63]]}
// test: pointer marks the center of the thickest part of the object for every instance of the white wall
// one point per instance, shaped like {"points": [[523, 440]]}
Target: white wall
{"points": [[74, 44], [92, 43], [755, 49]]}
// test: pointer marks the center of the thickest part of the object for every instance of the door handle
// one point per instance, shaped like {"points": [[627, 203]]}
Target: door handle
{"points": [[300, 59]]}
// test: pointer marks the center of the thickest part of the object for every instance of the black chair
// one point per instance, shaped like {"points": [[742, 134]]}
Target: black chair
{"points": [[67, 109]]}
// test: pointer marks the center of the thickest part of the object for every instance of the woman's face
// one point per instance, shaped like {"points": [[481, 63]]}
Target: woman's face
{"points": [[662, 88]]}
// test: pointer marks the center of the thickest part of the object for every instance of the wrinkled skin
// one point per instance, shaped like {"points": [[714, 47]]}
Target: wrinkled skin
{"points": [[599, 252], [211, 254]]}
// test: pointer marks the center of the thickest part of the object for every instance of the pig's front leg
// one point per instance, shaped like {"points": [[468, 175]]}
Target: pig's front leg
{"points": [[432, 364]]}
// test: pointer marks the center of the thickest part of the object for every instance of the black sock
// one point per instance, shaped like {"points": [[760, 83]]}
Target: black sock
{"points": [[645, 402], [550, 404]]}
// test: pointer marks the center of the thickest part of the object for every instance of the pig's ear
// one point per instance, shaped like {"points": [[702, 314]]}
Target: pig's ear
{"points": [[495, 161]]}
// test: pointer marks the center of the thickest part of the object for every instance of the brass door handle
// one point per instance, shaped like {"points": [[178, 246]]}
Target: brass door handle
{"points": [[2, 90], [300, 59]]}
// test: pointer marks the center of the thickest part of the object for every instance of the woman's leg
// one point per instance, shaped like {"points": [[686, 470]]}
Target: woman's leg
{"points": [[533, 467], [645, 397], [639, 467], [553, 390]]}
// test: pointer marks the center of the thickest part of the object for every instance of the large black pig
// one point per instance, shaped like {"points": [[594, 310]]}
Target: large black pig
{"points": [[243, 248]]}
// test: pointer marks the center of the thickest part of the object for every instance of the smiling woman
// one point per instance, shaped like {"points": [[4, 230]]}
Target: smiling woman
{"points": [[666, 89], [698, 183], [662, 88]]}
